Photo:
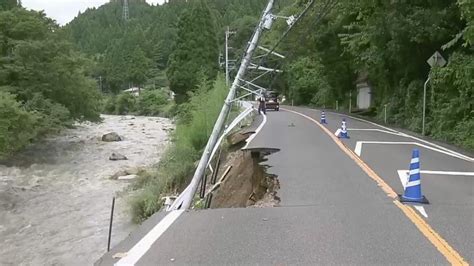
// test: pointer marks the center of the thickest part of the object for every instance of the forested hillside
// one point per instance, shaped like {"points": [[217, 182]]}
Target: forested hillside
{"points": [[387, 42], [138, 51], [44, 83]]}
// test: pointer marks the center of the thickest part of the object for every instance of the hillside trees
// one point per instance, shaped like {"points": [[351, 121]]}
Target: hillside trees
{"points": [[104, 36], [195, 52], [43, 81], [389, 42]]}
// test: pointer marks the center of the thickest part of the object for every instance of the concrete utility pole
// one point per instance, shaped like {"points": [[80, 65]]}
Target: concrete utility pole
{"points": [[227, 35], [125, 14], [218, 126]]}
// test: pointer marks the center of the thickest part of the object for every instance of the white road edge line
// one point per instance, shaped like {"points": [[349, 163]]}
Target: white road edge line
{"points": [[140, 248], [259, 128], [456, 155], [467, 158], [403, 175], [378, 130]]}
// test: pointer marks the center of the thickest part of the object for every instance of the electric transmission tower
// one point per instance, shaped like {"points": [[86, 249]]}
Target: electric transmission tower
{"points": [[125, 14]]}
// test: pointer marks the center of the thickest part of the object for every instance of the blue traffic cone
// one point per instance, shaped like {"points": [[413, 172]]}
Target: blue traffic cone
{"points": [[413, 187], [323, 118], [343, 133]]}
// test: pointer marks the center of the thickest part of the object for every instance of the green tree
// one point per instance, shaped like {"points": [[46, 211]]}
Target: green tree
{"points": [[43, 81], [195, 51], [8, 4], [139, 66], [17, 126], [467, 12]]}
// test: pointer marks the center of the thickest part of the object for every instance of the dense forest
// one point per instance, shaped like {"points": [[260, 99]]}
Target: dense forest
{"points": [[159, 45]]}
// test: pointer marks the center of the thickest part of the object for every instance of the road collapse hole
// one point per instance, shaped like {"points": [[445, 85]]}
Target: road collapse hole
{"points": [[244, 181]]}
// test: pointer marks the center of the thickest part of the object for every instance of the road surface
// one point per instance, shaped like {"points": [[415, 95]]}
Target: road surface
{"points": [[336, 208]]}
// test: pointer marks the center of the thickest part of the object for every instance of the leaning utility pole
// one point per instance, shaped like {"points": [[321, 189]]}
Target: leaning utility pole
{"points": [[125, 14], [218, 126]]}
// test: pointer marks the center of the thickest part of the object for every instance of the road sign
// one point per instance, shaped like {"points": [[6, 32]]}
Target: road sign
{"points": [[436, 60]]}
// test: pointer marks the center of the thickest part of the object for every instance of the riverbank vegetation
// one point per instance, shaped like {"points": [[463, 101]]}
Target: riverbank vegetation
{"points": [[195, 121], [44, 82]]}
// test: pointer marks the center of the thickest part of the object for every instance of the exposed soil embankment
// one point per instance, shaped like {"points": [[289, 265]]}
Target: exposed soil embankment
{"points": [[241, 180]]}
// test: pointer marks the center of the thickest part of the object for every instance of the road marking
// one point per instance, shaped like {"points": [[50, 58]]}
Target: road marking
{"points": [[447, 173], [140, 248], [366, 121], [421, 209], [429, 172], [403, 175], [377, 130], [467, 158], [443, 247], [451, 255], [256, 131], [358, 148]]}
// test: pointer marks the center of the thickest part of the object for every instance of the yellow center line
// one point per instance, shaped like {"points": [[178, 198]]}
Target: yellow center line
{"points": [[451, 255]]}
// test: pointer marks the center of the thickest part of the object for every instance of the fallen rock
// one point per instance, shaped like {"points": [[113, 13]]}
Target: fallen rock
{"points": [[110, 137], [117, 157], [118, 174], [126, 172]]}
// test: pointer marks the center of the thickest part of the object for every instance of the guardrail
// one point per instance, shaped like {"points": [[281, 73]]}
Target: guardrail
{"points": [[187, 193]]}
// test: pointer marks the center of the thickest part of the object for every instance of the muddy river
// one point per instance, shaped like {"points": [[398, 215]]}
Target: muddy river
{"points": [[55, 197]]}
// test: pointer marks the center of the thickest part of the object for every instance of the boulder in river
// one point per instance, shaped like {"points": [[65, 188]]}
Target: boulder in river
{"points": [[127, 177], [117, 157], [110, 137]]}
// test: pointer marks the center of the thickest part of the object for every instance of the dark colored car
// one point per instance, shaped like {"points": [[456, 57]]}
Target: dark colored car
{"points": [[271, 100]]}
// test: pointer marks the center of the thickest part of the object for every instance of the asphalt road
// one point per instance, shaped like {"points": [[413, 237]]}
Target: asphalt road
{"points": [[332, 211], [451, 196]]}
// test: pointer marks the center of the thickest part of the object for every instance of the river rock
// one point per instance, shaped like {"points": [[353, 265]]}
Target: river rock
{"points": [[110, 137], [127, 177], [127, 172], [117, 156]]}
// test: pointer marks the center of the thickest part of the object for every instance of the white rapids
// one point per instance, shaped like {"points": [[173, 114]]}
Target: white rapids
{"points": [[55, 197]]}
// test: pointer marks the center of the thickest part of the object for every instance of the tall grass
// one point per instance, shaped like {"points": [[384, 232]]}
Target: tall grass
{"points": [[195, 122]]}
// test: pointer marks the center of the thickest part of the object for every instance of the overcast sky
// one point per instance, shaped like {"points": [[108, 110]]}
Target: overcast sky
{"points": [[64, 11]]}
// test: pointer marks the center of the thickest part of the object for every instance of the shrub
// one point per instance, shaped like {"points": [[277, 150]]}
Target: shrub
{"points": [[152, 102], [17, 126], [126, 103], [195, 122], [51, 116], [109, 104]]}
